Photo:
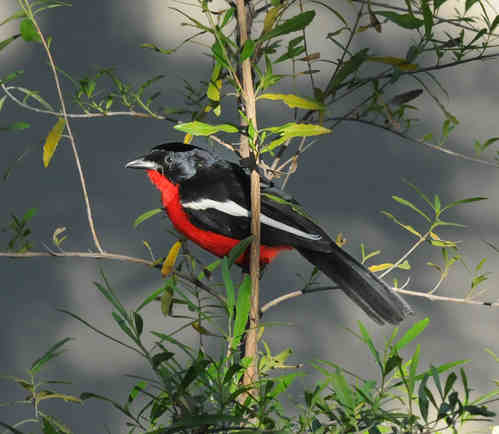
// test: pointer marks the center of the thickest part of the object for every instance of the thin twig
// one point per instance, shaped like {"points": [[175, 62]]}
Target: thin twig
{"points": [[406, 255], [8, 89], [113, 257], [421, 142], [71, 137], [224, 144]]}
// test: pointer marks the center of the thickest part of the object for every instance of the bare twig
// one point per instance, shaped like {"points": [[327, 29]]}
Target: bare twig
{"points": [[421, 142], [71, 137], [112, 257], [407, 254], [224, 144], [13, 98]]}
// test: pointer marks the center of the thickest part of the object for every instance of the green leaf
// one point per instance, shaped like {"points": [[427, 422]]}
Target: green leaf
{"points": [[147, 215], [247, 50], [107, 292], [228, 15], [407, 21], [10, 428], [494, 24], [394, 61], [7, 41], [412, 370], [157, 359], [139, 323], [405, 202], [155, 294], [196, 369], [393, 362], [200, 421], [123, 325], [294, 24], [411, 334], [422, 399], [427, 17], [229, 288], [16, 126], [438, 3], [463, 201], [469, 4], [28, 30], [294, 101], [292, 129], [367, 339], [18, 14], [348, 68], [50, 354], [236, 252], [242, 310], [197, 128]]}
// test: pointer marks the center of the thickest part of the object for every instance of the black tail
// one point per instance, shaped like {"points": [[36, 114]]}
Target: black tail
{"points": [[366, 289]]}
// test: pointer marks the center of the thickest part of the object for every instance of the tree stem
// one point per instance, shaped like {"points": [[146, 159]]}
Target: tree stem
{"points": [[248, 97]]}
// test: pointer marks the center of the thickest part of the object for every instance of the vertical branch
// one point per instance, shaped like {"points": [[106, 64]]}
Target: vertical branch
{"points": [[248, 97], [70, 133]]}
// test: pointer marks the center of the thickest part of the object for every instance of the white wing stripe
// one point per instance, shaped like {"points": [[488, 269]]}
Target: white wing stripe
{"points": [[232, 208]]}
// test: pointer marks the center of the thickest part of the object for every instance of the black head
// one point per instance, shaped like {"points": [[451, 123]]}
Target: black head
{"points": [[176, 161]]}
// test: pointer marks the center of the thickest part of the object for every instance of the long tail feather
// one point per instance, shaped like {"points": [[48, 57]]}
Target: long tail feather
{"points": [[366, 289]]}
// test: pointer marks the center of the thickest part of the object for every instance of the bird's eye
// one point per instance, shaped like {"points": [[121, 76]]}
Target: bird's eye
{"points": [[168, 159]]}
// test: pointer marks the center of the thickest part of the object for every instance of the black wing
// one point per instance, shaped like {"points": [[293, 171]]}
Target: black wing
{"points": [[218, 200]]}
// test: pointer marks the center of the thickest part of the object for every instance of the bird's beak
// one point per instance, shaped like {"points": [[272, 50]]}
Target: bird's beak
{"points": [[142, 163]]}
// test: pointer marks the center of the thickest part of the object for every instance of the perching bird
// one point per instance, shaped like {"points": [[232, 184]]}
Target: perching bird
{"points": [[208, 200]]}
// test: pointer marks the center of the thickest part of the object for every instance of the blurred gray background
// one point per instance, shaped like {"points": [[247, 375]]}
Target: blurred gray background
{"points": [[344, 181]]}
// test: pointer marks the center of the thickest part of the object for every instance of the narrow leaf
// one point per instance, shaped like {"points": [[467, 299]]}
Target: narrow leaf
{"points": [[170, 260], [7, 41], [247, 50], [294, 24], [242, 310], [469, 4], [459, 202], [294, 101], [405, 202], [412, 333], [347, 68], [238, 250], [197, 128], [229, 288], [394, 61], [407, 21], [52, 141], [51, 353], [147, 215]]}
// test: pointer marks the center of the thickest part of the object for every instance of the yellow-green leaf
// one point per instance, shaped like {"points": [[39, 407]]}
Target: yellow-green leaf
{"points": [[201, 330], [167, 302], [292, 129], [394, 61], [170, 260], [55, 237], [50, 395], [270, 19], [197, 128], [294, 101], [213, 91], [380, 267], [52, 141]]}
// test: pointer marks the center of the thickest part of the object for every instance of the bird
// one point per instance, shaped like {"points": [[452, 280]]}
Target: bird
{"points": [[208, 201]]}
